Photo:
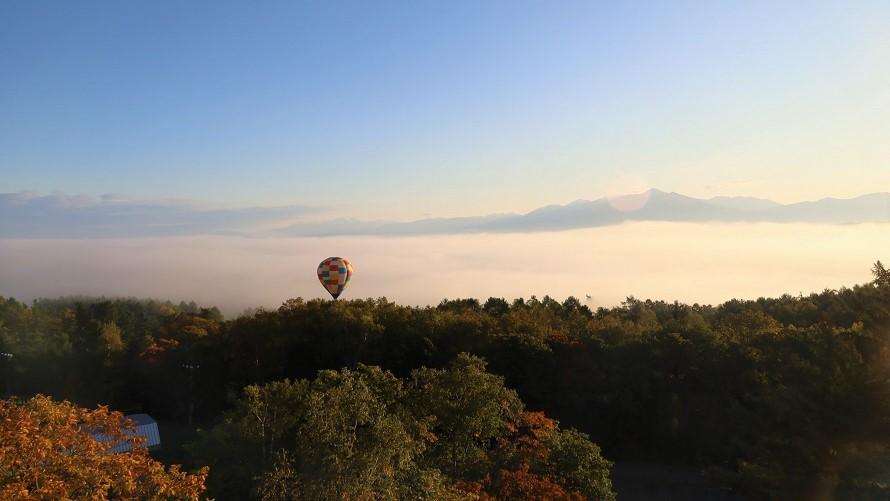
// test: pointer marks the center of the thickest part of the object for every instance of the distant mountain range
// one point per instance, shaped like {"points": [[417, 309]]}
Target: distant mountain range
{"points": [[28, 215], [653, 205]]}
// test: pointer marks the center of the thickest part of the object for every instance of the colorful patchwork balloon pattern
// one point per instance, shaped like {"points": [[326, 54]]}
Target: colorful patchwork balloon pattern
{"points": [[334, 274]]}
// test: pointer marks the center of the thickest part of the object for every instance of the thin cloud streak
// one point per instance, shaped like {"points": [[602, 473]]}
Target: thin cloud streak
{"points": [[27, 215]]}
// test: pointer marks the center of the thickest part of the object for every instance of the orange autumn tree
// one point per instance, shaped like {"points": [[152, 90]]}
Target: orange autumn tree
{"points": [[47, 451]]}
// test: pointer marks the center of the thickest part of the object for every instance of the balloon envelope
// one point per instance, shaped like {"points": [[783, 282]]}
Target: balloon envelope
{"points": [[334, 274]]}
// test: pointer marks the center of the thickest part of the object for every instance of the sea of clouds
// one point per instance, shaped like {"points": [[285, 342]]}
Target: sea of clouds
{"points": [[690, 262]]}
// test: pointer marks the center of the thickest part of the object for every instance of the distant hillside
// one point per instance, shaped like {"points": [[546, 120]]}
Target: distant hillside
{"points": [[27, 215], [654, 205]]}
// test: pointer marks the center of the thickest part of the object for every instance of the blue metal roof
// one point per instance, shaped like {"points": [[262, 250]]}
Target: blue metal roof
{"points": [[141, 419], [145, 427]]}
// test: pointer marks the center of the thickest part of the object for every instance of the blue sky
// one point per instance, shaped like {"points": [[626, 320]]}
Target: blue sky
{"points": [[406, 110]]}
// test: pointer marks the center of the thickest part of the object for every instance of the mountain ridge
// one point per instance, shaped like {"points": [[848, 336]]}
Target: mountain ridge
{"points": [[651, 205]]}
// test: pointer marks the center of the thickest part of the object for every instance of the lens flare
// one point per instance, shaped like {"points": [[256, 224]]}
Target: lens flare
{"points": [[628, 193]]}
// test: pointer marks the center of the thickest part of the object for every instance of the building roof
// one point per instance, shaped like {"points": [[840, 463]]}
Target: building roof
{"points": [[141, 419], [145, 426]]}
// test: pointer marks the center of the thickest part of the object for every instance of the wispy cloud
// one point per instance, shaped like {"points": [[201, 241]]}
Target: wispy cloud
{"points": [[28, 215]]}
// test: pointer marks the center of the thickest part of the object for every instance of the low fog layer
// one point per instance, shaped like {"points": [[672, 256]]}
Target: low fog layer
{"points": [[691, 262]]}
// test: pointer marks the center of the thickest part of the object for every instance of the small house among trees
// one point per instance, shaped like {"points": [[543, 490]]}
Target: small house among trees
{"points": [[144, 426]]}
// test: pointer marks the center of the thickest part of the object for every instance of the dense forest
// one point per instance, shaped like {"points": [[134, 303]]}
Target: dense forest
{"points": [[777, 398]]}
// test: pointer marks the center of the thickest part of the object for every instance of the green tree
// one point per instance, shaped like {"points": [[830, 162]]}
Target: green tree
{"points": [[271, 412], [356, 440], [264, 420], [365, 434], [882, 274], [280, 482], [110, 338], [469, 409]]}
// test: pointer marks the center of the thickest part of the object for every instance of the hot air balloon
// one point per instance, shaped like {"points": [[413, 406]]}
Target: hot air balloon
{"points": [[334, 274]]}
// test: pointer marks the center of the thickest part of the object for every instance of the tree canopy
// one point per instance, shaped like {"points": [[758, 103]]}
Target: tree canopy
{"points": [[363, 433]]}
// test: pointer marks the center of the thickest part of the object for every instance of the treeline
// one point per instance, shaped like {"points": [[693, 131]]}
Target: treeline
{"points": [[778, 397]]}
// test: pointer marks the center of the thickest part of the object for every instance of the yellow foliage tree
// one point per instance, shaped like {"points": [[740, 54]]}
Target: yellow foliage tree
{"points": [[48, 451]]}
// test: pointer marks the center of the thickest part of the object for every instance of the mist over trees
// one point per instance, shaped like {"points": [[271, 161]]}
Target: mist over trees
{"points": [[775, 398]]}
